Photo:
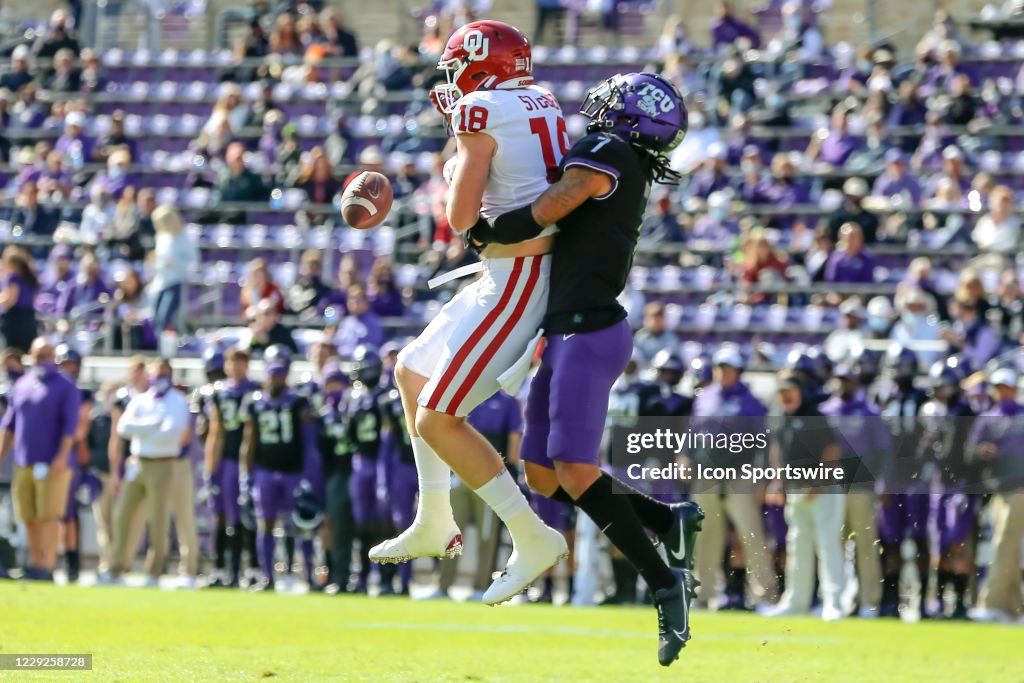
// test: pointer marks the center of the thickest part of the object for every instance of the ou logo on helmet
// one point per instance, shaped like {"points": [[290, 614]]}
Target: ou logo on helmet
{"points": [[476, 46]]}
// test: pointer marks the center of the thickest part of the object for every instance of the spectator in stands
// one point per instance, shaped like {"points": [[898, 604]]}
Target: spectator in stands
{"points": [[853, 211], [714, 228], [917, 323], [832, 148], [123, 239], [908, 109], [674, 39], [661, 224], [27, 113], [270, 138], [56, 279], [309, 289], [948, 197], [681, 71], [238, 183], [31, 216], [54, 178], [940, 78], [267, 328], [145, 206], [1010, 304], [729, 30], [57, 38], [74, 146], [339, 40], [781, 190], [712, 175], [361, 325], [114, 180], [254, 45], [173, 257], [97, 217], [18, 287], [385, 298], [999, 229], [40, 426], [288, 155], [654, 336], [970, 288], [800, 37], [91, 78], [880, 317], [943, 29], [962, 106], [896, 181], [115, 139], [285, 39], [20, 74], [316, 178], [259, 286], [971, 335], [84, 298], [761, 263], [65, 77], [132, 317], [851, 262], [735, 85], [230, 114], [953, 170]]}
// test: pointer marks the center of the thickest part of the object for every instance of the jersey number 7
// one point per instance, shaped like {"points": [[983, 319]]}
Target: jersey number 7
{"points": [[539, 127]]}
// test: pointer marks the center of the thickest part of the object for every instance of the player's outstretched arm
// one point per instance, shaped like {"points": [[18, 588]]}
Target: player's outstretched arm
{"points": [[475, 151], [577, 185]]}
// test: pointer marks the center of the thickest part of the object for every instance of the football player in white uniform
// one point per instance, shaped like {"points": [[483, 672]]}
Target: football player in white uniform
{"points": [[510, 138]]}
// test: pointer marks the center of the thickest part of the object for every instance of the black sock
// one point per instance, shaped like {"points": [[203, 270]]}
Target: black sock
{"points": [[653, 514], [233, 541], [614, 515], [249, 541], [942, 580], [220, 544], [71, 557], [736, 582], [289, 553], [891, 589], [960, 588]]}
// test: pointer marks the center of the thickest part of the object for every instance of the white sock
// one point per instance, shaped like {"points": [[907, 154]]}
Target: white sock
{"points": [[509, 503], [435, 483]]}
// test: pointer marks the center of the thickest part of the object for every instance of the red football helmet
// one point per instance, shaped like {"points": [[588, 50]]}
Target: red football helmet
{"points": [[483, 55]]}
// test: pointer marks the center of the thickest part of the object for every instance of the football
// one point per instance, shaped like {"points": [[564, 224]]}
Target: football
{"points": [[367, 200]]}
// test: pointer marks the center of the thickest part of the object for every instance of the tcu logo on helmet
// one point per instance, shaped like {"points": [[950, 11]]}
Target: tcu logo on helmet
{"points": [[476, 46], [653, 100]]}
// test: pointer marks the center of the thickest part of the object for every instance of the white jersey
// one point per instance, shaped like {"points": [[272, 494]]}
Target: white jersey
{"points": [[527, 125]]}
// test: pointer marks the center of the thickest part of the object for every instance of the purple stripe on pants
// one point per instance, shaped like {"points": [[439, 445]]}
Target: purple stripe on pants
{"points": [[568, 401], [225, 501], [362, 486], [273, 493], [953, 516]]}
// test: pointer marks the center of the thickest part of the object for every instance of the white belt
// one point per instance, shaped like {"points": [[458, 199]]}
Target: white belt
{"points": [[461, 271]]}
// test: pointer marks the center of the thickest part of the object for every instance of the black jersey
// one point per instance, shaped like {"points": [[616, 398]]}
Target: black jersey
{"points": [[333, 440], [229, 400], [279, 446], [395, 413], [595, 243], [366, 420]]}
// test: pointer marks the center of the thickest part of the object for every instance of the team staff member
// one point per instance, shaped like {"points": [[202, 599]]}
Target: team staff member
{"points": [[814, 514], [728, 406], [997, 439], [157, 423], [40, 425], [183, 498]]}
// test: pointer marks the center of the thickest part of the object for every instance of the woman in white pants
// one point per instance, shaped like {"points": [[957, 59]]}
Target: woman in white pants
{"points": [[814, 514]]}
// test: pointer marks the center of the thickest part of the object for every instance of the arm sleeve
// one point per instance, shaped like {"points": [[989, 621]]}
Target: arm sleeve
{"points": [[131, 424]]}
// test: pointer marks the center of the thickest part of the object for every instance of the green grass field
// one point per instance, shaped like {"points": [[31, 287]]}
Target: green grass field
{"points": [[140, 635]]}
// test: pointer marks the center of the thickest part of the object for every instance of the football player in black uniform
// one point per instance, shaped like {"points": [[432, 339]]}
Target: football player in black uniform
{"points": [[336, 450], [70, 362], [278, 445], [599, 204]]}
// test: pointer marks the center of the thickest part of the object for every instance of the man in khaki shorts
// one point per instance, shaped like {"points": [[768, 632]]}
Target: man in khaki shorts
{"points": [[40, 425]]}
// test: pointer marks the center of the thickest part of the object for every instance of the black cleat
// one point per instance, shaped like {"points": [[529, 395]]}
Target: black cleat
{"points": [[681, 538], [673, 605]]}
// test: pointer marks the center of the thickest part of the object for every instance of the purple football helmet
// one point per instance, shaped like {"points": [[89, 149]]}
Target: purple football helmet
{"points": [[643, 108]]}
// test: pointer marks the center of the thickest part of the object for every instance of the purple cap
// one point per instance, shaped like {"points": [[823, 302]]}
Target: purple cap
{"points": [[277, 367], [895, 156]]}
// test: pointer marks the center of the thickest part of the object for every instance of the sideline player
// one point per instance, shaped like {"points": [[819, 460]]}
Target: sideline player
{"points": [[510, 137], [636, 120]]}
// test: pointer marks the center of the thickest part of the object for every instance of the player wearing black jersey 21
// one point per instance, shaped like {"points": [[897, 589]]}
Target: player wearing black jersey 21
{"points": [[598, 204]]}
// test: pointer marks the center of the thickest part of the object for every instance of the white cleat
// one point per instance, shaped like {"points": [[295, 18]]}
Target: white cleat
{"points": [[418, 541], [540, 554]]}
